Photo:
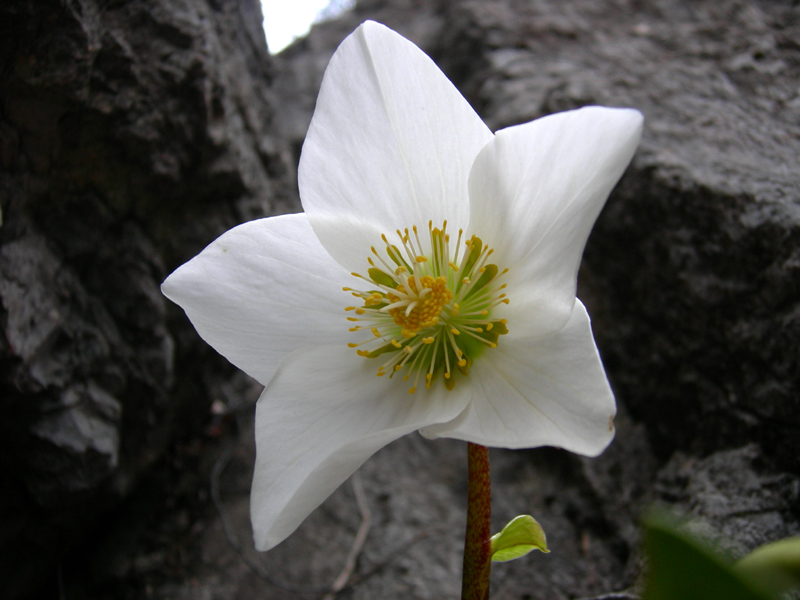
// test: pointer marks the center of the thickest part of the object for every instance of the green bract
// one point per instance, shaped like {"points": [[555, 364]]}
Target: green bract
{"points": [[521, 536]]}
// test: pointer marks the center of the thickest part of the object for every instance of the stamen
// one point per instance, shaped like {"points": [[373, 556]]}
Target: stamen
{"points": [[419, 301]]}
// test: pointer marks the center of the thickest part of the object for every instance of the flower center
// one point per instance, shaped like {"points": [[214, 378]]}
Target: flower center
{"points": [[429, 312]]}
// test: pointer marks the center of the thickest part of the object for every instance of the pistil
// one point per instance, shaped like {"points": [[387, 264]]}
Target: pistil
{"points": [[429, 310]]}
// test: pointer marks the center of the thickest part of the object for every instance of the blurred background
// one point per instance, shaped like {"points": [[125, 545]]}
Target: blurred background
{"points": [[133, 132]]}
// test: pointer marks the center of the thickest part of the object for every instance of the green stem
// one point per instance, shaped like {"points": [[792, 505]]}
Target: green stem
{"points": [[477, 556]]}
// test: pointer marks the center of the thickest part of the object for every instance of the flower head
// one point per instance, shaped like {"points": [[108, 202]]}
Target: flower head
{"points": [[433, 257]]}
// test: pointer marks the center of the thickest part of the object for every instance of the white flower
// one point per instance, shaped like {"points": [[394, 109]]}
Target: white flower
{"points": [[393, 146]]}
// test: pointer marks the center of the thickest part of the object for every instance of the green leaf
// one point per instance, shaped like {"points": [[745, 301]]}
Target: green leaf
{"points": [[522, 535], [774, 567], [681, 567]]}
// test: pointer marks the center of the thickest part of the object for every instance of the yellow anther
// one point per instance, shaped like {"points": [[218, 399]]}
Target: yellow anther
{"points": [[410, 308]]}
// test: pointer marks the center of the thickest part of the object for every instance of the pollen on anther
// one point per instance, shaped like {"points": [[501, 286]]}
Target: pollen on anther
{"points": [[412, 304]]}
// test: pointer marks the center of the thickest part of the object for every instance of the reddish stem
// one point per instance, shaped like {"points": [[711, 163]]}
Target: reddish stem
{"points": [[477, 556]]}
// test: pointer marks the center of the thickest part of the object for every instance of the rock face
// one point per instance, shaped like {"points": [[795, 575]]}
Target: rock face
{"points": [[133, 133]]}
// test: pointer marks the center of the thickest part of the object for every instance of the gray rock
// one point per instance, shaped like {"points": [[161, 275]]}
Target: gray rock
{"points": [[131, 134]]}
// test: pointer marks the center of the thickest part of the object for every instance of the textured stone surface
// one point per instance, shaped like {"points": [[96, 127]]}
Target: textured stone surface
{"points": [[131, 133], [122, 158]]}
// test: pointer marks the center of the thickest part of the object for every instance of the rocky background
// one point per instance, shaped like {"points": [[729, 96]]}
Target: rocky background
{"points": [[134, 132]]}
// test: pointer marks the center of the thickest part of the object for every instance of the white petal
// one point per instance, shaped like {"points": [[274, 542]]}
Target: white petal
{"points": [[543, 392], [535, 192], [391, 142], [322, 415], [262, 290]]}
